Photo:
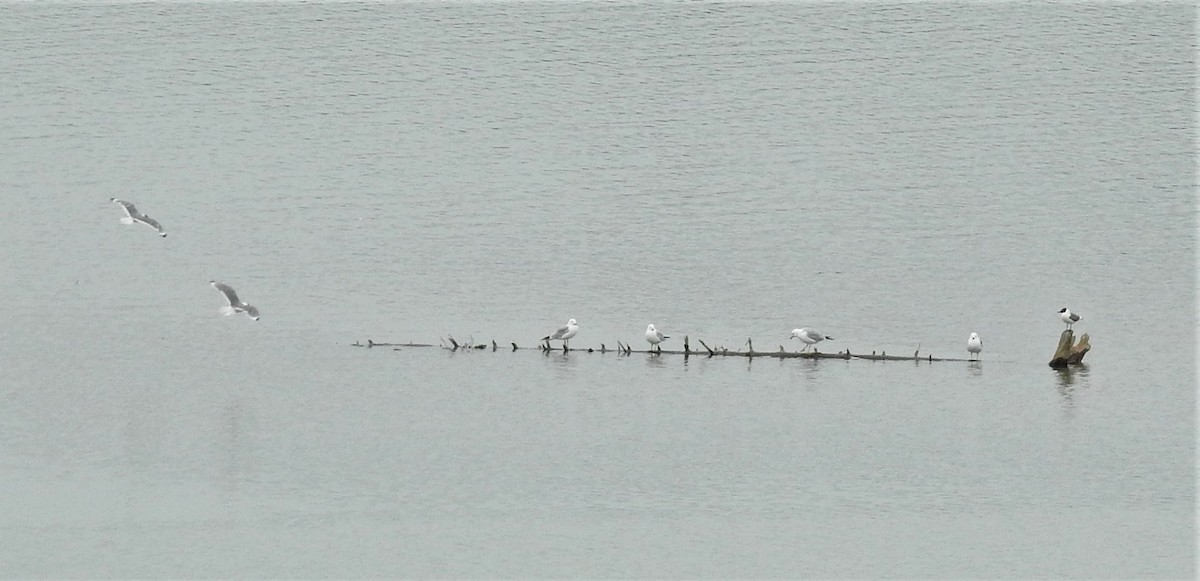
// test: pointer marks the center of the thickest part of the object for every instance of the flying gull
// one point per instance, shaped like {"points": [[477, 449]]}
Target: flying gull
{"points": [[236, 305], [132, 215]]}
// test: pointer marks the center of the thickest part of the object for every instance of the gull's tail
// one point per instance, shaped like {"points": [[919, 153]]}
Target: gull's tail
{"points": [[828, 338], [228, 310], [126, 220]]}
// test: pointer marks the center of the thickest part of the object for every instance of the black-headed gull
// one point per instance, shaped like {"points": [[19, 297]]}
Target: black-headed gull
{"points": [[1068, 317]]}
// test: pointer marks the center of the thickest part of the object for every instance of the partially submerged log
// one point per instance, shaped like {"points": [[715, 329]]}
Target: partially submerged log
{"points": [[687, 351], [369, 344], [1069, 352]]}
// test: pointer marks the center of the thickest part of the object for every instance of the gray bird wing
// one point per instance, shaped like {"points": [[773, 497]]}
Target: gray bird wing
{"points": [[559, 332], [229, 293], [151, 222], [130, 209]]}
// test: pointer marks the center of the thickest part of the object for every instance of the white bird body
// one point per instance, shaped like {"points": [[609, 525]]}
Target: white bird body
{"points": [[236, 305], [563, 333], [1068, 317], [974, 344], [808, 336], [133, 216], [654, 336]]}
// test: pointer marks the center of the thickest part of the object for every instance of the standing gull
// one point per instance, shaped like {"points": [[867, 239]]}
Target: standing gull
{"points": [[132, 215], [563, 333], [974, 344], [236, 305], [809, 337], [1068, 317], [654, 336]]}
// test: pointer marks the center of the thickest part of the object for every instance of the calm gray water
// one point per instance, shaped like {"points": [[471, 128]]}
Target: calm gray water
{"points": [[893, 175]]}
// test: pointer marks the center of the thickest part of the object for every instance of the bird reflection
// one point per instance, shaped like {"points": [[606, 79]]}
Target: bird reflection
{"points": [[975, 367], [1067, 379], [560, 361], [810, 368]]}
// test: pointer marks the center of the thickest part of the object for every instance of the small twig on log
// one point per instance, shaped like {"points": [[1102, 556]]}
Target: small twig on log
{"points": [[750, 344], [706, 347], [455, 343], [686, 348], [514, 346]]}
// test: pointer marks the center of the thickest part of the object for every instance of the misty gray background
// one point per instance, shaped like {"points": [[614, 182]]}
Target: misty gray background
{"points": [[891, 175]]}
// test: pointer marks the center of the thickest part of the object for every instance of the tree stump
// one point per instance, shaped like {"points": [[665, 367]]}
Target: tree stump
{"points": [[1069, 352]]}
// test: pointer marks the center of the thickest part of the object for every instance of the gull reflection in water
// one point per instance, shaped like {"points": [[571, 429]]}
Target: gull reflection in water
{"points": [[1070, 379]]}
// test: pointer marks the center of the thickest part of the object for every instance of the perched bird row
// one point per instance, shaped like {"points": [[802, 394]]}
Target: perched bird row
{"points": [[807, 336], [236, 305], [655, 337]]}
